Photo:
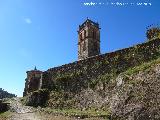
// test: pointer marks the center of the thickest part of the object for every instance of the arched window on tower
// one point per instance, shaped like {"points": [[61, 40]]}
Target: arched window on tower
{"points": [[94, 34], [84, 46], [95, 47], [81, 37], [85, 34]]}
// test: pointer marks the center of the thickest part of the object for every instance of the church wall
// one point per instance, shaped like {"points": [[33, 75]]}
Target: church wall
{"points": [[76, 75]]}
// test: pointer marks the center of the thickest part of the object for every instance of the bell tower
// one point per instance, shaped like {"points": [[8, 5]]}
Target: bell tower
{"points": [[88, 40]]}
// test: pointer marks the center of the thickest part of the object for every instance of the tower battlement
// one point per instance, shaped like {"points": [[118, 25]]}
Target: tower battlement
{"points": [[88, 21]]}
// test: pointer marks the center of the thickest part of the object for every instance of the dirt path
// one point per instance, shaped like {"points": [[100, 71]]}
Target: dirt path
{"points": [[25, 116], [21, 112]]}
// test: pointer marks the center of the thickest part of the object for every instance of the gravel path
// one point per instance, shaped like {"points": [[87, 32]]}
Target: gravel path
{"points": [[21, 112]]}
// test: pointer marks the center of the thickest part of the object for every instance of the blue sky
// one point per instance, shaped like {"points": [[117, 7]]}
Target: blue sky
{"points": [[44, 32]]}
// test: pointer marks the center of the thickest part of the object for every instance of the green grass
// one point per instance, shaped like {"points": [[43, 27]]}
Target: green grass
{"points": [[80, 113], [142, 67], [106, 78], [5, 115]]}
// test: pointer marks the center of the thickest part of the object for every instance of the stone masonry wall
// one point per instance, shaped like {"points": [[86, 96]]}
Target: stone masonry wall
{"points": [[75, 76]]}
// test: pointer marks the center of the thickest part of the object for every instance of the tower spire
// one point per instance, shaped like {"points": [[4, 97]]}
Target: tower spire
{"points": [[35, 68]]}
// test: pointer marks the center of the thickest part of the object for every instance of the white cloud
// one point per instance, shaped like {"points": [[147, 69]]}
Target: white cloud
{"points": [[28, 20]]}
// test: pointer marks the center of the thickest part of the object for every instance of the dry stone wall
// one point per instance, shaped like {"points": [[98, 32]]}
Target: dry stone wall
{"points": [[75, 76]]}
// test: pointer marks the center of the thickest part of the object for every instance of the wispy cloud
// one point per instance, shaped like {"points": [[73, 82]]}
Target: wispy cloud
{"points": [[28, 20]]}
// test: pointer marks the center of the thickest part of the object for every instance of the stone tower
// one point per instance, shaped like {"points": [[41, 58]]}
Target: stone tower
{"points": [[88, 40], [33, 81]]}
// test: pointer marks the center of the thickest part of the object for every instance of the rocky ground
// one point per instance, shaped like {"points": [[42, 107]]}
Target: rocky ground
{"points": [[20, 112]]}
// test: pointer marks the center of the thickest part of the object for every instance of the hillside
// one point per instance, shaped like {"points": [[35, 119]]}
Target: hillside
{"points": [[132, 94], [5, 94], [136, 93]]}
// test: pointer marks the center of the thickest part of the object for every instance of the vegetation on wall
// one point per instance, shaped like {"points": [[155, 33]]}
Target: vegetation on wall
{"points": [[37, 98]]}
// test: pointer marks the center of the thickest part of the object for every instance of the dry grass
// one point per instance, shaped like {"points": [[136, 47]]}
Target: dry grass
{"points": [[72, 114]]}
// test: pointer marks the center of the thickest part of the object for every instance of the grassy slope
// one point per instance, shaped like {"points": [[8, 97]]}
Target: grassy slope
{"points": [[5, 115], [105, 78], [140, 88], [79, 113]]}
